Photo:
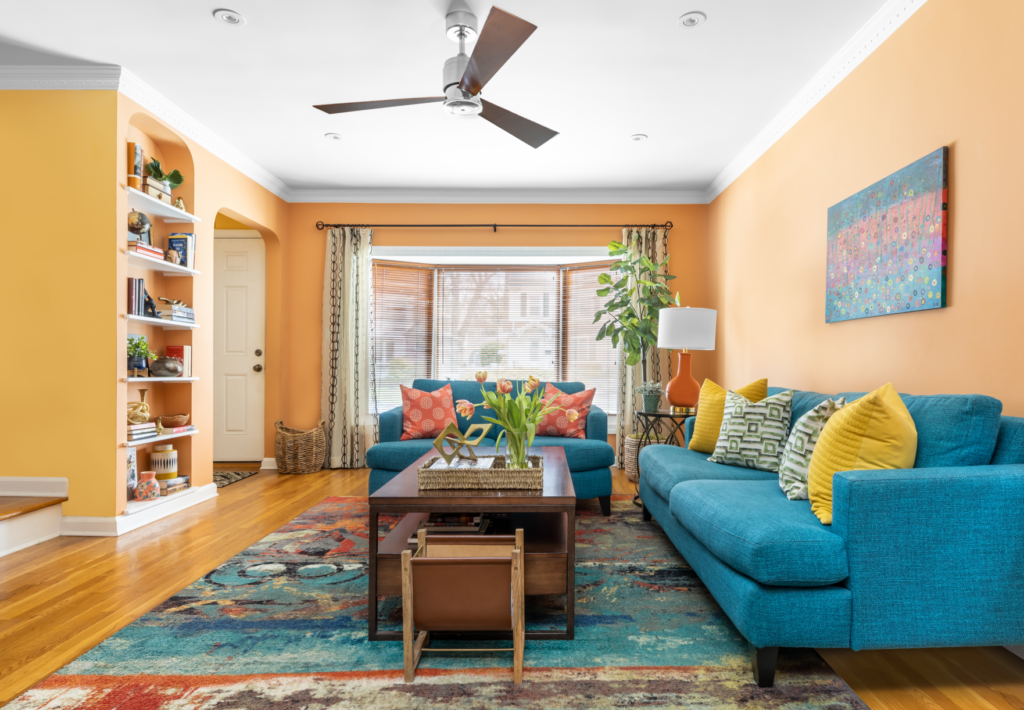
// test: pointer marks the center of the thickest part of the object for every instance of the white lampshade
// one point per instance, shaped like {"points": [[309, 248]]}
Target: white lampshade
{"points": [[689, 328]]}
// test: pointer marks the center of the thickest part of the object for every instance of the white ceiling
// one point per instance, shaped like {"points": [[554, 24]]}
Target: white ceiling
{"points": [[597, 71]]}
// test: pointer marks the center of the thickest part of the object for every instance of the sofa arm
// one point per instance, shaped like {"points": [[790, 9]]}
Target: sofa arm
{"points": [[936, 555], [597, 423], [390, 425], [688, 429]]}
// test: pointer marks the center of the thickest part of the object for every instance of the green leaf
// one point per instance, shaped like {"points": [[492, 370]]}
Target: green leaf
{"points": [[600, 333], [531, 431], [604, 279], [615, 339], [597, 316], [174, 179], [677, 298], [668, 277], [633, 358], [602, 292], [153, 169]]}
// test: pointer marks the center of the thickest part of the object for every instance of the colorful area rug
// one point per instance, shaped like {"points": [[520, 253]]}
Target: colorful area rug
{"points": [[282, 626]]}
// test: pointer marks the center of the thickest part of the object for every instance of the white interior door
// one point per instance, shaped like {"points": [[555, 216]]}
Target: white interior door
{"points": [[239, 351]]}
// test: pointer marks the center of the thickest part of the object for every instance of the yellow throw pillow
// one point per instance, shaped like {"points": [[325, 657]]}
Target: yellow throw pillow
{"points": [[711, 409], [876, 431]]}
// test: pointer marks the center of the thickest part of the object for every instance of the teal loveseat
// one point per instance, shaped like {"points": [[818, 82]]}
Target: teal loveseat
{"points": [[926, 557], [590, 460]]}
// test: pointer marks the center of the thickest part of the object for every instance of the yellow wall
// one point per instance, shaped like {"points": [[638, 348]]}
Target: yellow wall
{"points": [[304, 262], [951, 75], [225, 222], [58, 389]]}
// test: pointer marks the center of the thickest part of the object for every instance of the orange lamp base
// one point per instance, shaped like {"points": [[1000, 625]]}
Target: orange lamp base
{"points": [[683, 391]]}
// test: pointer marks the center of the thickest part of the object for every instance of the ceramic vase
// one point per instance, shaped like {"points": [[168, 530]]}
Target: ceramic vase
{"points": [[148, 488], [166, 367], [164, 460], [652, 402]]}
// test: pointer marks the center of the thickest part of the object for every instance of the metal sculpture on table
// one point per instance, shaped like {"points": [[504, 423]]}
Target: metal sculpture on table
{"points": [[458, 441]]}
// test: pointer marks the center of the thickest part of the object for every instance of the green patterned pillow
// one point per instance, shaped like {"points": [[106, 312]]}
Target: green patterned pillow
{"points": [[753, 434], [796, 457]]}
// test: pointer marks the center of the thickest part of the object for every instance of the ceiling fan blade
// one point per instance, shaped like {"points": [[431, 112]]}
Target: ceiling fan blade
{"points": [[533, 134], [502, 35], [367, 105]]}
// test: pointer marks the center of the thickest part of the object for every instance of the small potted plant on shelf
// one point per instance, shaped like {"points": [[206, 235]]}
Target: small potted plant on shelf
{"points": [[171, 180], [651, 393], [138, 356]]}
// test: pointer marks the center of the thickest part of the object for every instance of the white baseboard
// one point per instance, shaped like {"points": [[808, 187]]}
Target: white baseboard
{"points": [[99, 526], [33, 486], [29, 529], [269, 464]]}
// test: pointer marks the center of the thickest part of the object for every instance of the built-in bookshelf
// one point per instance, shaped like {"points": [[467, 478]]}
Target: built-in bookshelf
{"points": [[178, 282]]}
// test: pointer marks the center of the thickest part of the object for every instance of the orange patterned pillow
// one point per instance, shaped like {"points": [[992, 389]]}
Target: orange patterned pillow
{"points": [[426, 414], [557, 423]]}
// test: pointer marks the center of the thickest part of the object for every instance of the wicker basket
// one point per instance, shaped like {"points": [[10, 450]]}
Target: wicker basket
{"points": [[496, 477], [633, 446], [299, 451]]}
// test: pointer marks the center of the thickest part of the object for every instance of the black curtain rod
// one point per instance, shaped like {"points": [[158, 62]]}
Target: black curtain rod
{"points": [[666, 226]]}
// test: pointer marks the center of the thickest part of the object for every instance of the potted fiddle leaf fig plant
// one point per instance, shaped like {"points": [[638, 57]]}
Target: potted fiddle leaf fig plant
{"points": [[636, 299], [138, 353], [171, 180]]}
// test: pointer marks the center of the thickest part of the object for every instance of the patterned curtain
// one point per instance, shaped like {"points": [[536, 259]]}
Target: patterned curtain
{"points": [[348, 388], [653, 243]]}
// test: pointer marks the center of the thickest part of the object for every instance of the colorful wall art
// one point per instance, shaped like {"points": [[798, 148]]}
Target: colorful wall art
{"points": [[887, 245]]}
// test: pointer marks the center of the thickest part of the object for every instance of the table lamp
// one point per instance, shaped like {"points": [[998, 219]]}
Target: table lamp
{"points": [[682, 330]]}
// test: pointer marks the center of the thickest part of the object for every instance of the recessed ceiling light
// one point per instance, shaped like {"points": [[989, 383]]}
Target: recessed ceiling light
{"points": [[692, 19], [332, 136], [637, 137], [229, 17]]}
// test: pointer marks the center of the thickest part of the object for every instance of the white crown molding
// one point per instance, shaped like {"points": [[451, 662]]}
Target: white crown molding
{"points": [[59, 78], [144, 95], [503, 196], [886, 21]]}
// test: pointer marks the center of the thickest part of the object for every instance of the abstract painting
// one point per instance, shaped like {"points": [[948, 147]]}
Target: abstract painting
{"points": [[887, 245]]}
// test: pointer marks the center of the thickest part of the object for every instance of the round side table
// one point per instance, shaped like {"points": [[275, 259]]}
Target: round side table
{"points": [[649, 425]]}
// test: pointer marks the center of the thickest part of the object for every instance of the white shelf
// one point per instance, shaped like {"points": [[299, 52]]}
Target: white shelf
{"points": [[159, 379], [164, 267], [142, 202], [137, 506], [158, 439], [165, 324]]}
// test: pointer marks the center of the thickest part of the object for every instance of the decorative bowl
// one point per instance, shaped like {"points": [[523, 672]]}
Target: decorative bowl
{"points": [[166, 367], [173, 420]]}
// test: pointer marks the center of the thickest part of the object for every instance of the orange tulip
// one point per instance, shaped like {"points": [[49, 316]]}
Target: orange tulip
{"points": [[465, 408], [531, 384], [481, 376], [504, 386], [572, 415]]}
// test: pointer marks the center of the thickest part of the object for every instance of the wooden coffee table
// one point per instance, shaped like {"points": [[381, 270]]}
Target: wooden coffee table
{"points": [[547, 517]]}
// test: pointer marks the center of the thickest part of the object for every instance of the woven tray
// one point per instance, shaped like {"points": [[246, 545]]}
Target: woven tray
{"points": [[496, 477]]}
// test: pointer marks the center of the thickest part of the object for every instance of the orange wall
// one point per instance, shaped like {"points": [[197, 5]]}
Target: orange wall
{"points": [[951, 75], [304, 262]]}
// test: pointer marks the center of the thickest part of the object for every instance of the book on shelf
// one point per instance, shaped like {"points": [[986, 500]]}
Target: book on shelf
{"points": [[135, 165], [152, 253], [177, 429], [171, 482], [140, 435], [183, 354], [176, 315], [136, 296], [142, 427], [185, 244], [480, 528], [172, 490], [152, 182], [159, 194]]}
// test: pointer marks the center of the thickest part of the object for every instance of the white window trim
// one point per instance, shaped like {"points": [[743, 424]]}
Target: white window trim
{"points": [[491, 256]]}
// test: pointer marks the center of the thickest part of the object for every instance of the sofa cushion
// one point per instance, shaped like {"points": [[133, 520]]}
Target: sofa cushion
{"points": [[664, 467], [557, 422], [756, 530], [425, 414], [754, 433], [397, 455], [711, 408], [580, 454], [1010, 445], [952, 429]]}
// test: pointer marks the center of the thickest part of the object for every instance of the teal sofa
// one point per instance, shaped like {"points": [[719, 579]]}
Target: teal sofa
{"points": [[926, 557], [590, 460]]}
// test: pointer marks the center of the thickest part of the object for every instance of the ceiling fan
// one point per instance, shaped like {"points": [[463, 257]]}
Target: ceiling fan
{"points": [[465, 76]]}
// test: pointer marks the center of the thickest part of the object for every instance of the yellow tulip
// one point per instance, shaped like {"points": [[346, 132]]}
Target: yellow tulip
{"points": [[572, 415], [481, 376], [465, 408], [531, 384]]}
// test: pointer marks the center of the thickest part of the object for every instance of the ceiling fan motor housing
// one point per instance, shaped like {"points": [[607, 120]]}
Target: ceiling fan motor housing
{"points": [[457, 101]]}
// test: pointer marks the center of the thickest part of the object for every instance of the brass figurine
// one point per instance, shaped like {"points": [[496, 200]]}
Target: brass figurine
{"points": [[460, 441]]}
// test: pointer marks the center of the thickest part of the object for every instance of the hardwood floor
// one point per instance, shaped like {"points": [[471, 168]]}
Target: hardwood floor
{"points": [[62, 597]]}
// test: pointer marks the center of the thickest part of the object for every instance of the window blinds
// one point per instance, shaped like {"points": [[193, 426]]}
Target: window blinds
{"points": [[504, 321], [403, 302], [449, 322], [592, 362]]}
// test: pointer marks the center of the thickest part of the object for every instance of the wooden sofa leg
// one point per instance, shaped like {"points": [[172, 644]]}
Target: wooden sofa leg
{"points": [[606, 504], [762, 662], [646, 513]]}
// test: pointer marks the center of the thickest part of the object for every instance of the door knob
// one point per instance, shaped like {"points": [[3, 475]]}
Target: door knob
{"points": [[258, 352], [258, 368]]}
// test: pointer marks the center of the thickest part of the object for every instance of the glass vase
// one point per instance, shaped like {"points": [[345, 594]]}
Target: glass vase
{"points": [[515, 445]]}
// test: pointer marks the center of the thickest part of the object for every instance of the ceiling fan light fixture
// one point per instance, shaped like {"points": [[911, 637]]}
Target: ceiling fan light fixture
{"points": [[692, 19], [332, 136], [638, 137], [229, 17], [461, 103], [461, 24]]}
